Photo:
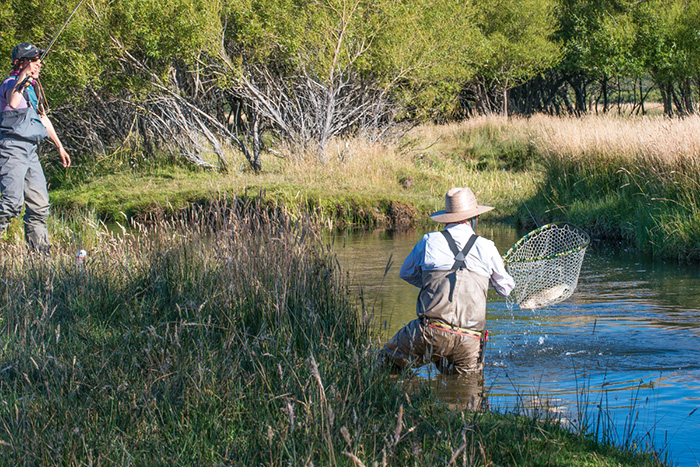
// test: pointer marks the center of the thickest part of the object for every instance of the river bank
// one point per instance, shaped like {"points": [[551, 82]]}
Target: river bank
{"points": [[181, 345], [633, 180]]}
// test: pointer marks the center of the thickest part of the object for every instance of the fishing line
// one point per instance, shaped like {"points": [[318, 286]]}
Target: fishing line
{"points": [[537, 224]]}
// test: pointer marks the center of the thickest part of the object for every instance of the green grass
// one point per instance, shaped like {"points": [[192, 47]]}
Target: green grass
{"points": [[224, 336], [648, 206], [372, 184]]}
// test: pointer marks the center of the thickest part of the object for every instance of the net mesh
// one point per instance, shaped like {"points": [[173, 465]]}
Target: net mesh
{"points": [[545, 265]]}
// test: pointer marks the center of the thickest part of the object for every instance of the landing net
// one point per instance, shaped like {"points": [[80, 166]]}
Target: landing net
{"points": [[545, 265]]}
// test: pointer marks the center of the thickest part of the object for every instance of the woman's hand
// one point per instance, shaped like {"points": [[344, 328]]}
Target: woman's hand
{"points": [[65, 158]]}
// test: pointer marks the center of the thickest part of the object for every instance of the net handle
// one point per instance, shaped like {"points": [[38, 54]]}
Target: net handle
{"points": [[528, 236]]}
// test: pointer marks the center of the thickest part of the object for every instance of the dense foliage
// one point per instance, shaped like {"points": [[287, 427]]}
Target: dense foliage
{"points": [[184, 75]]}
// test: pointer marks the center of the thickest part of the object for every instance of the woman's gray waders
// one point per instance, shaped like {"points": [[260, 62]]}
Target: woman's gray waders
{"points": [[22, 181]]}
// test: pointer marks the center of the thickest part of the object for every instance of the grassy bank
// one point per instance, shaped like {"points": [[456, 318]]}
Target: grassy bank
{"points": [[223, 337], [368, 183], [631, 179], [636, 180], [624, 178], [628, 179]]}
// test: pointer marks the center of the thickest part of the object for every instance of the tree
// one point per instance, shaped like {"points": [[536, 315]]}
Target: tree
{"points": [[598, 42], [669, 47], [120, 71], [516, 44], [348, 66]]}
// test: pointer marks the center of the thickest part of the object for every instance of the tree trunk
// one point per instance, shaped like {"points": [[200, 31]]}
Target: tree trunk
{"points": [[257, 145], [579, 87], [666, 98], [688, 97], [643, 96], [604, 84], [677, 101]]}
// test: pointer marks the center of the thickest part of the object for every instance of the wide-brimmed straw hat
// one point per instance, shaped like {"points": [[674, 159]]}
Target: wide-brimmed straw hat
{"points": [[460, 204]]}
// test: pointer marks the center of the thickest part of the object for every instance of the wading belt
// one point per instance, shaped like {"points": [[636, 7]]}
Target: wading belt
{"points": [[439, 325]]}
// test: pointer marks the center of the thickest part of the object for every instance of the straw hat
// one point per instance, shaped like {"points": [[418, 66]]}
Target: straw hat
{"points": [[460, 204]]}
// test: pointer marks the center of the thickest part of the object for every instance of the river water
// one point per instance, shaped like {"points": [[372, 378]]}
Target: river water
{"points": [[621, 356]]}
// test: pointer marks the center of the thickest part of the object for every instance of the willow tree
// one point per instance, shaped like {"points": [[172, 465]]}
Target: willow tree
{"points": [[183, 75], [430, 51], [312, 70], [602, 47], [669, 46], [300, 69], [516, 44], [120, 75], [688, 36]]}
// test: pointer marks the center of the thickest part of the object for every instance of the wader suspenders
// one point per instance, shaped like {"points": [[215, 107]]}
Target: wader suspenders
{"points": [[460, 256]]}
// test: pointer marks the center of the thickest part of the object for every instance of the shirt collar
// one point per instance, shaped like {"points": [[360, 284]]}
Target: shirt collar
{"points": [[466, 228]]}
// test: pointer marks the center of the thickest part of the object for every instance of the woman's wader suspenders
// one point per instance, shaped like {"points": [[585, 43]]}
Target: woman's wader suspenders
{"points": [[24, 124], [460, 257]]}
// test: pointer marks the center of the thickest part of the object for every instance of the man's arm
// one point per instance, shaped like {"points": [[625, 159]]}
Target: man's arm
{"points": [[502, 282], [411, 270]]}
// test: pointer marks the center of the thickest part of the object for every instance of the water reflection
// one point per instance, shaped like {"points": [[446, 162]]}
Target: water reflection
{"points": [[462, 392], [629, 337]]}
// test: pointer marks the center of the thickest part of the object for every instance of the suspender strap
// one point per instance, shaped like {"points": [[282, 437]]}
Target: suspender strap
{"points": [[460, 256]]}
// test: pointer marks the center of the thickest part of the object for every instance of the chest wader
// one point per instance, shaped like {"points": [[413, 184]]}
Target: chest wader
{"points": [[451, 310], [22, 181], [452, 307]]}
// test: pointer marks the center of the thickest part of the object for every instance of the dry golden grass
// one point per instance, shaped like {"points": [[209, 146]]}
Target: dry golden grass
{"points": [[653, 146], [420, 169], [355, 163], [636, 178], [657, 137]]}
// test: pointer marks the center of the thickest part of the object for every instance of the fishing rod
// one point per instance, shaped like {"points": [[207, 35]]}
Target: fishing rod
{"points": [[46, 51], [42, 97]]}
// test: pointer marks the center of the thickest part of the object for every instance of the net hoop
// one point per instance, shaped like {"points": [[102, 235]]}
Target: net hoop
{"points": [[510, 256]]}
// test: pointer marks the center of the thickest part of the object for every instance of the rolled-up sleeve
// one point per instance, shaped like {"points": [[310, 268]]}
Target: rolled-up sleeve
{"points": [[411, 270]]}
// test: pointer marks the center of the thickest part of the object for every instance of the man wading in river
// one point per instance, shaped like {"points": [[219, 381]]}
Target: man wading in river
{"points": [[453, 268], [23, 125]]}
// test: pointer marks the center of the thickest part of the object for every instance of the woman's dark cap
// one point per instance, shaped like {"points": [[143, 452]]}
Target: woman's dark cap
{"points": [[25, 50]]}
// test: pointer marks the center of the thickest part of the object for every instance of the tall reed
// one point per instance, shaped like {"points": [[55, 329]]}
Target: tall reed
{"points": [[156, 349], [635, 179]]}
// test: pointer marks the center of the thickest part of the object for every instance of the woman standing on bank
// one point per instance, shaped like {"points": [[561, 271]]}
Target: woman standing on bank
{"points": [[23, 125]]}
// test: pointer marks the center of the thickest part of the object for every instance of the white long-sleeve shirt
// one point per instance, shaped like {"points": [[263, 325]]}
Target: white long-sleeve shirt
{"points": [[432, 252]]}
